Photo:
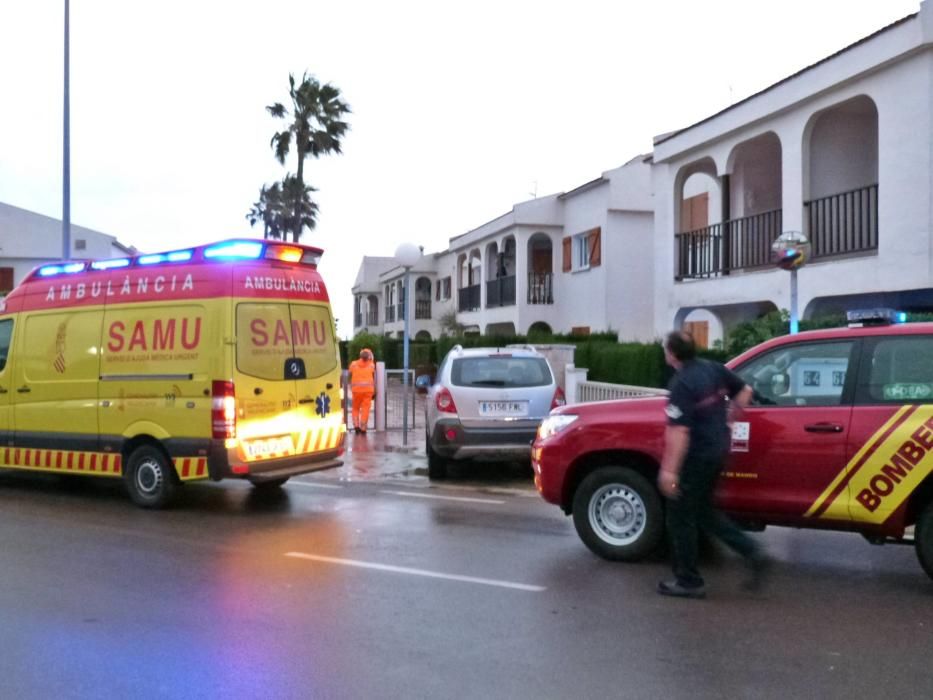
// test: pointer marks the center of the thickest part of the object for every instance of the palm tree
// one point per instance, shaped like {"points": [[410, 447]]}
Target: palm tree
{"points": [[315, 128], [298, 207], [270, 211]]}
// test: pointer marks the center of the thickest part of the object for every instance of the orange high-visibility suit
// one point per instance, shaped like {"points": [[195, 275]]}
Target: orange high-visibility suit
{"points": [[363, 386]]}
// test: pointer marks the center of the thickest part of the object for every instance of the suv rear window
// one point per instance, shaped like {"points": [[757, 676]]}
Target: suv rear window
{"points": [[500, 371]]}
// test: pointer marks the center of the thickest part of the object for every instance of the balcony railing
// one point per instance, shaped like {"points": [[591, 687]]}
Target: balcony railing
{"points": [[500, 292], [540, 290], [843, 223], [423, 309], [738, 244], [372, 317], [390, 314], [468, 298]]}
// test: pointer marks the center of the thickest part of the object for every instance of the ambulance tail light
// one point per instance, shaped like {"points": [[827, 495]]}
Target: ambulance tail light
{"points": [[559, 399], [444, 401], [223, 410]]}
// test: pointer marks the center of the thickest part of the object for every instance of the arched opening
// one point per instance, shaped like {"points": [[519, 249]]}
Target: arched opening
{"points": [[698, 221], [539, 330], [423, 337], [540, 269], [500, 273], [841, 178], [492, 261], [755, 216], [372, 310], [423, 298], [471, 273]]}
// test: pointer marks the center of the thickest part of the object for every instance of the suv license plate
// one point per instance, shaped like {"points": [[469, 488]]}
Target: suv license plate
{"points": [[498, 409]]}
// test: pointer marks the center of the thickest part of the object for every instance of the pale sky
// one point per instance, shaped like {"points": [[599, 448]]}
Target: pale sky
{"points": [[459, 111]]}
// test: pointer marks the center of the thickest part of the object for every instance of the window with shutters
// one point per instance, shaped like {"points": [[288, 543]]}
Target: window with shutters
{"points": [[585, 250]]}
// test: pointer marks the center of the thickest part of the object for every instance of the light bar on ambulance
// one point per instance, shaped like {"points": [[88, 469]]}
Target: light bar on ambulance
{"points": [[234, 250]]}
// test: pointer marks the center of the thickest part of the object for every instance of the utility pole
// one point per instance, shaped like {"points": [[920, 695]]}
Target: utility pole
{"points": [[66, 157]]}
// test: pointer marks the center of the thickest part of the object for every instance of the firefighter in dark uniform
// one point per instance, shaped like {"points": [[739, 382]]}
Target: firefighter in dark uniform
{"points": [[696, 445]]}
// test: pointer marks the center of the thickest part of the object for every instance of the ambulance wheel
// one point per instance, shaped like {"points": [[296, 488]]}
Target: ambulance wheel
{"points": [[437, 465], [618, 514], [269, 484], [923, 539], [150, 477]]}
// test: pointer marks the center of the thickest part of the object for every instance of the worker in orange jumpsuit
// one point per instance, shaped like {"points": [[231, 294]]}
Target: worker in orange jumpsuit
{"points": [[363, 386]]}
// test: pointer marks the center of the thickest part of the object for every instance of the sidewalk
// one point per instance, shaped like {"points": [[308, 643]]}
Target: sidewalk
{"points": [[380, 455]]}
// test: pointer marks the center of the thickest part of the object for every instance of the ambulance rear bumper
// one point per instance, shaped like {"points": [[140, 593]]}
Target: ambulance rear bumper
{"points": [[225, 464]]}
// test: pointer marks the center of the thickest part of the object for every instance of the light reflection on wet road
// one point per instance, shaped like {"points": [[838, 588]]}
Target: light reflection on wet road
{"points": [[101, 598]]}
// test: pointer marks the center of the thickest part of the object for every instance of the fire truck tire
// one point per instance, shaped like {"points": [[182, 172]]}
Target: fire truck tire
{"points": [[923, 539], [437, 465], [150, 477], [618, 514]]}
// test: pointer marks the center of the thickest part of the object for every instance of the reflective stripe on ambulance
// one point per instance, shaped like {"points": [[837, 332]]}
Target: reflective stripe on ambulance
{"points": [[884, 472], [91, 463]]}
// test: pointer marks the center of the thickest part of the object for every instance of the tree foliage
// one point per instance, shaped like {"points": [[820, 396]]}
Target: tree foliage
{"points": [[314, 127]]}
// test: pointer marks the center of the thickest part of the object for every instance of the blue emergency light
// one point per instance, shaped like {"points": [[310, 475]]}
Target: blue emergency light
{"points": [[234, 250], [875, 317], [110, 264]]}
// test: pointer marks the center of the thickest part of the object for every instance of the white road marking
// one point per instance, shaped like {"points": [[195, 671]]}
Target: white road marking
{"points": [[416, 572], [463, 499], [310, 485]]}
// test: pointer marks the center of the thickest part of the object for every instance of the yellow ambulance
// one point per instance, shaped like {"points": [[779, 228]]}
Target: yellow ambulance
{"points": [[210, 362]]}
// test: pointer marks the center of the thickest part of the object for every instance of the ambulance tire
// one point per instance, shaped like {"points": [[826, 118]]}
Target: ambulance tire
{"points": [[269, 484], [618, 514], [150, 477], [923, 539], [437, 465]]}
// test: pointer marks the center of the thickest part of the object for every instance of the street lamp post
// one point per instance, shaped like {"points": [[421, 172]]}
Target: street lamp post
{"points": [[407, 255]]}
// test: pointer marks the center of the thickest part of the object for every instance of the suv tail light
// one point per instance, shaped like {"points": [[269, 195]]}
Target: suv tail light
{"points": [[444, 401], [559, 398], [223, 410]]}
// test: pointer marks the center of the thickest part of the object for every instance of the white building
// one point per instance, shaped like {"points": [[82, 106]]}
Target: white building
{"points": [[28, 240], [841, 150], [548, 264]]}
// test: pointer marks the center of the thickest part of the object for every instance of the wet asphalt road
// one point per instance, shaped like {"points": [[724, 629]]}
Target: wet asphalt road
{"points": [[380, 585]]}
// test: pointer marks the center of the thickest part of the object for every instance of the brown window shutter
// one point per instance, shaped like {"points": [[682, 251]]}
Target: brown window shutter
{"points": [[567, 251], [593, 241], [6, 279]]}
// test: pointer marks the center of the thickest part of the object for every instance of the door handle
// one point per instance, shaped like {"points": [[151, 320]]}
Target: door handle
{"points": [[823, 428], [3, 391], [24, 390], [329, 386], [305, 400]]}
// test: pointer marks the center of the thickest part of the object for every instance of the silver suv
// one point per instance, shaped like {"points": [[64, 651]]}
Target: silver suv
{"points": [[486, 403]]}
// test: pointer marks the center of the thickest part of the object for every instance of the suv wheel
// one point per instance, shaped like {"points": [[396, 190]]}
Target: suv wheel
{"points": [[437, 465], [618, 514], [923, 539]]}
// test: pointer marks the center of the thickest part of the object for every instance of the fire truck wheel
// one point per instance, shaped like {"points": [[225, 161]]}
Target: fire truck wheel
{"points": [[923, 539], [268, 484], [150, 477], [437, 465], [618, 514]]}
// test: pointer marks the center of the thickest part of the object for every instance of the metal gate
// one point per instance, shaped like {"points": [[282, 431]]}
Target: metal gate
{"points": [[394, 401]]}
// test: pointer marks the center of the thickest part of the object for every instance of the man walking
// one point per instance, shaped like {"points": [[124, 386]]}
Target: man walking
{"points": [[363, 387], [696, 445]]}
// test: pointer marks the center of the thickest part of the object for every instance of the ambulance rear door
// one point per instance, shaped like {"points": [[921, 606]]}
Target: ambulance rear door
{"points": [[266, 368], [319, 386]]}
